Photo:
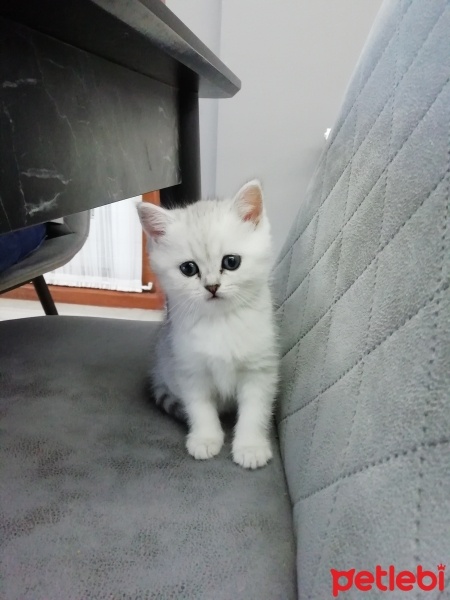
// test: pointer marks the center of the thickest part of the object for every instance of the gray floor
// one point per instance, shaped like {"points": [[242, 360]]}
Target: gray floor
{"points": [[19, 309]]}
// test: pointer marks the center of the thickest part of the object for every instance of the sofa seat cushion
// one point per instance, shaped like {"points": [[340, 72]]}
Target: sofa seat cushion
{"points": [[99, 498]]}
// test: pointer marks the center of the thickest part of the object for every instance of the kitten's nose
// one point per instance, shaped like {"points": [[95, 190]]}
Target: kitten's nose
{"points": [[212, 288]]}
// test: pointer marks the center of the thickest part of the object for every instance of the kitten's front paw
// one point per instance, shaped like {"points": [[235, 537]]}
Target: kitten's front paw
{"points": [[252, 455], [203, 447]]}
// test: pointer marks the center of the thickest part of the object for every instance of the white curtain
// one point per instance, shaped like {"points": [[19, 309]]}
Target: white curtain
{"points": [[111, 258]]}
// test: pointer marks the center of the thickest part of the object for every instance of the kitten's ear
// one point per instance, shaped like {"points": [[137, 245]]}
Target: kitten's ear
{"points": [[249, 202], [154, 219]]}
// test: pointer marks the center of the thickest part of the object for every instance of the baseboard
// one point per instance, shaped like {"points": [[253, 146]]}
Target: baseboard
{"points": [[92, 297]]}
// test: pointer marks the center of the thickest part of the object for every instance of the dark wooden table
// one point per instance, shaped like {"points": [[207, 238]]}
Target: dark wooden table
{"points": [[99, 102]]}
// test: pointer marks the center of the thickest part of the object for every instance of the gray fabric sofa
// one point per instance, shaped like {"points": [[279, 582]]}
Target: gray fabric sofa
{"points": [[98, 498]]}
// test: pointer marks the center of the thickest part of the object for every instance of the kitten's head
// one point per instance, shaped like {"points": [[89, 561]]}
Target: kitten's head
{"points": [[214, 255]]}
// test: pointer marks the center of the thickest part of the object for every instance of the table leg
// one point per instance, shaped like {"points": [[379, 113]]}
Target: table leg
{"points": [[189, 139]]}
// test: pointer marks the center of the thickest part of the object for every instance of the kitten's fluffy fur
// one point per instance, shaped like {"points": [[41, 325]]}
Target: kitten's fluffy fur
{"points": [[214, 352]]}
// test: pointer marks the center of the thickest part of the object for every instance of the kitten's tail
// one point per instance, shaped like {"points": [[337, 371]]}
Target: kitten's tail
{"points": [[166, 401]]}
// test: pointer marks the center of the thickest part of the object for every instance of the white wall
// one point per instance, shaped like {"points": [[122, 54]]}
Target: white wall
{"points": [[294, 58]]}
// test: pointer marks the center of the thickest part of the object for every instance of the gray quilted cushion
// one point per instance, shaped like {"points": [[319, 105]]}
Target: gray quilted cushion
{"points": [[364, 306]]}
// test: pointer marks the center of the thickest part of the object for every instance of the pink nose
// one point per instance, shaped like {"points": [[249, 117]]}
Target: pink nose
{"points": [[212, 288]]}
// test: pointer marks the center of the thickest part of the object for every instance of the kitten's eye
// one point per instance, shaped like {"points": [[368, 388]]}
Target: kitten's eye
{"points": [[189, 268], [231, 262]]}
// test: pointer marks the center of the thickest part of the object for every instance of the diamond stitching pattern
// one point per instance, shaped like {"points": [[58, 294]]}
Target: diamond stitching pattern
{"points": [[306, 326]]}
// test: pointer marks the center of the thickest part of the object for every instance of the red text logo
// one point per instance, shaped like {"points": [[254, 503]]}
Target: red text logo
{"points": [[387, 580]]}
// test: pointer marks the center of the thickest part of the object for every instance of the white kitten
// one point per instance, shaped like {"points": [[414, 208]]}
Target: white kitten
{"points": [[217, 345]]}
